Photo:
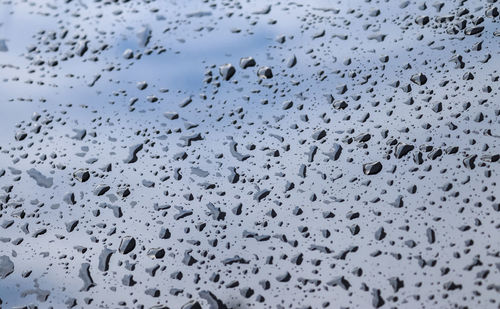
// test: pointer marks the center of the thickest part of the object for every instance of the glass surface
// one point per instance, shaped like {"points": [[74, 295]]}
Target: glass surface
{"points": [[251, 154]]}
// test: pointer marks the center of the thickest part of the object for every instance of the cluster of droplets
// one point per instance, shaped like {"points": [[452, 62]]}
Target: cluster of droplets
{"points": [[349, 161]]}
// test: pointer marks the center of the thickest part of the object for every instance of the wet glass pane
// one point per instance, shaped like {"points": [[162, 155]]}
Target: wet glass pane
{"points": [[249, 154]]}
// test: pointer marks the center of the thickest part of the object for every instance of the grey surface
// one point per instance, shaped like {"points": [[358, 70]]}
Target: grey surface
{"points": [[355, 165]]}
